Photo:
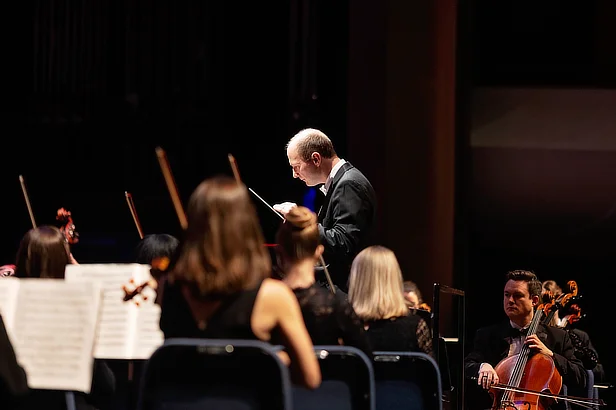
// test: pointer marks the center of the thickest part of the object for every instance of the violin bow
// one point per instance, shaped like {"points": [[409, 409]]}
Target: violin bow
{"points": [[175, 197], [133, 211], [236, 172], [23, 189], [321, 260], [171, 186]]}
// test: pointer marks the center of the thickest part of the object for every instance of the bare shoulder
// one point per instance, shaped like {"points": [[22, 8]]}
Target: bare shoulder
{"points": [[276, 290]]}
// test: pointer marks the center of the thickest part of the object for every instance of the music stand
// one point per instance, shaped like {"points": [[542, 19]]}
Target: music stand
{"points": [[436, 337]]}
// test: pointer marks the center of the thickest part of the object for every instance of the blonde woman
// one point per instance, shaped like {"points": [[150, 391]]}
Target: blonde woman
{"points": [[375, 292]]}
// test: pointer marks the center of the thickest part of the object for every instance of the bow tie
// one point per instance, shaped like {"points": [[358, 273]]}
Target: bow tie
{"points": [[514, 332]]}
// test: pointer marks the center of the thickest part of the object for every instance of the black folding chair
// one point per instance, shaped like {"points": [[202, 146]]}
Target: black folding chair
{"points": [[224, 374], [407, 381], [347, 381]]}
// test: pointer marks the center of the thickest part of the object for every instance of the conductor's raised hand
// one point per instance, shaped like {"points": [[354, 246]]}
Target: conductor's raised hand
{"points": [[284, 208]]}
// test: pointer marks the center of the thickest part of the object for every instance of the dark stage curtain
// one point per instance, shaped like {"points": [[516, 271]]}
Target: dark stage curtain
{"points": [[105, 82]]}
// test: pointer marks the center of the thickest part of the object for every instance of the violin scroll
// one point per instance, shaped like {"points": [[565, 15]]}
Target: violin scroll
{"points": [[67, 226], [425, 306], [159, 267]]}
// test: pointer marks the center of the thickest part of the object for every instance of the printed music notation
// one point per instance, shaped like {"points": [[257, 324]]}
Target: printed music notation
{"points": [[125, 331], [52, 325]]}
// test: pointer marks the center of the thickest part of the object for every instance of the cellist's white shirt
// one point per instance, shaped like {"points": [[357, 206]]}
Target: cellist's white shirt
{"points": [[516, 343]]}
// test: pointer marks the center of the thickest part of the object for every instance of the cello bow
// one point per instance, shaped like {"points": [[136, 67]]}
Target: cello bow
{"points": [[236, 174], [581, 401]]}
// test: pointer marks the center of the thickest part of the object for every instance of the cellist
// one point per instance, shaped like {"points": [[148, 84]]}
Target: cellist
{"points": [[496, 343]]}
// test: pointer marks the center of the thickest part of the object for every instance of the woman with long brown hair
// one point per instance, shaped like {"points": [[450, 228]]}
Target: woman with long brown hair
{"points": [[220, 287]]}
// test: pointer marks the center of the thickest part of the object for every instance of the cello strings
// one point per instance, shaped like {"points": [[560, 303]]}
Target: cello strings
{"points": [[518, 371]]}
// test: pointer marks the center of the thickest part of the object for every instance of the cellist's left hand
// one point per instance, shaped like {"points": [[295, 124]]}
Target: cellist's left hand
{"points": [[537, 345]]}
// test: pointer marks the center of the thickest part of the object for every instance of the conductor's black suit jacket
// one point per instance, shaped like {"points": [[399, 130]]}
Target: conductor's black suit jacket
{"points": [[347, 221]]}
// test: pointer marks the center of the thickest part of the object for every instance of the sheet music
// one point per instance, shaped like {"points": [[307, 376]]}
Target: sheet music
{"points": [[8, 299], [125, 331], [148, 335], [53, 332]]}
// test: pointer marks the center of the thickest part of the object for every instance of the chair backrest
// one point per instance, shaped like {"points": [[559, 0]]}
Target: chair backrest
{"points": [[214, 374], [347, 381], [407, 380]]}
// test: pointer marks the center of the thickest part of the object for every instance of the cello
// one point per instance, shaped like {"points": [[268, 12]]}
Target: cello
{"points": [[533, 382], [525, 372]]}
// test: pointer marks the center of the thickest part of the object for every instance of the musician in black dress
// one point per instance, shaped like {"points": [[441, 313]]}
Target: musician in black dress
{"points": [[330, 320], [375, 292], [220, 287], [44, 253]]}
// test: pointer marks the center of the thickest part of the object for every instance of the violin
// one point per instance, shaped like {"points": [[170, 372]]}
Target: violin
{"points": [[67, 226], [7, 270], [159, 267]]}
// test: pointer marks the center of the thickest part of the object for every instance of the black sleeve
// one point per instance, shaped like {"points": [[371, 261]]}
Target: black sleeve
{"points": [[13, 380], [351, 216], [569, 366]]}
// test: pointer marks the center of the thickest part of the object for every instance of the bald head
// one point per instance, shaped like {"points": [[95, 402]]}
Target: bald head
{"points": [[310, 140], [311, 156]]}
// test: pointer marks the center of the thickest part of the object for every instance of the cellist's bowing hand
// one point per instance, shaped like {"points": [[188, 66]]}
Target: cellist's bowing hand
{"points": [[487, 376], [533, 342]]}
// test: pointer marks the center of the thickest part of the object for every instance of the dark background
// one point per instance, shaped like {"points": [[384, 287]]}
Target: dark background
{"points": [[91, 88]]}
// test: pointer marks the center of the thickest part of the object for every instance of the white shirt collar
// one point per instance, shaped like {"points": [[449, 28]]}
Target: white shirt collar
{"points": [[331, 176]]}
